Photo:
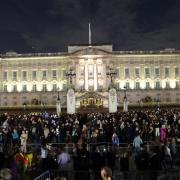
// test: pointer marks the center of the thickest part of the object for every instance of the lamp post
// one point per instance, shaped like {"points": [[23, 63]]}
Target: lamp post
{"points": [[41, 106], [125, 102], [24, 106], [125, 88], [111, 73], [70, 74], [58, 104]]}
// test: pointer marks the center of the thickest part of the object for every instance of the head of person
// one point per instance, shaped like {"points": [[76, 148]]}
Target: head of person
{"points": [[5, 174], [106, 173]]}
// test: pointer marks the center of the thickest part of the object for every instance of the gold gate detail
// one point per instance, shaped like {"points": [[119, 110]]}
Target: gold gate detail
{"points": [[91, 99]]}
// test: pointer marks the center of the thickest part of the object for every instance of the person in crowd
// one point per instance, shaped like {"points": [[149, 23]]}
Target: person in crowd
{"points": [[93, 128], [137, 144], [44, 155], [106, 173], [5, 174], [157, 128], [163, 133], [58, 134], [168, 156], [15, 137], [63, 159], [23, 138], [115, 139], [64, 162], [46, 133], [173, 150]]}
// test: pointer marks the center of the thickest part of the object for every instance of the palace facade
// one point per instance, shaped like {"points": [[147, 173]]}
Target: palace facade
{"points": [[145, 76]]}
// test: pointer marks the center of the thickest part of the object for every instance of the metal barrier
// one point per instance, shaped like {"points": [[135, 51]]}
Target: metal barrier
{"points": [[90, 175], [44, 175]]}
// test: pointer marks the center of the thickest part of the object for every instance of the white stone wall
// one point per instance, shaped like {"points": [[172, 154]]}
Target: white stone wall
{"points": [[95, 56]]}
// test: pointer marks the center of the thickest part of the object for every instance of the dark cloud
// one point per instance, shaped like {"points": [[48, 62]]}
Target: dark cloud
{"points": [[154, 14], [50, 25]]}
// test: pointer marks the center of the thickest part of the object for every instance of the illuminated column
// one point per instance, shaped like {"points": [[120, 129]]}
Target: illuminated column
{"points": [[86, 77], [95, 77]]}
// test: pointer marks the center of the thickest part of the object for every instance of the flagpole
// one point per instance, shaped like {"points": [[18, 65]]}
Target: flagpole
{"points": [[89, 33]]}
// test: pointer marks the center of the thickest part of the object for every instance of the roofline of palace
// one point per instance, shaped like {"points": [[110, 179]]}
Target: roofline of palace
{"points": [[123, 52]]}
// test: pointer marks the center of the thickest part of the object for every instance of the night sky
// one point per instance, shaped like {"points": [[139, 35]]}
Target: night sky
{"points": [[51, 25]]}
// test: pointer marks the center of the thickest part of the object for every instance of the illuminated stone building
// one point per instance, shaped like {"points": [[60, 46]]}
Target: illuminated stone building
{"points": [[33, 79]]}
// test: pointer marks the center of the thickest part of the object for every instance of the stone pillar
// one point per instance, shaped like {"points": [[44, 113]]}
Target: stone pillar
{"points": [[95, 77], [86, 77], [112, 100], [58, 107], [125, 105], [71, 102]]}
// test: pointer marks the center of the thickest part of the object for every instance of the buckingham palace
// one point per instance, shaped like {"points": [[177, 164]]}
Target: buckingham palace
{"points": [[143, 76]]}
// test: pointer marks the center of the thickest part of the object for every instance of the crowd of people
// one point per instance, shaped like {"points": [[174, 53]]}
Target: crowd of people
{"points": [[150, 139]]}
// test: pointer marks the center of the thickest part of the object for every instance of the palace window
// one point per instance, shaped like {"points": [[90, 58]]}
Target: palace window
{"points": [[64, 87], [44, 87], [166, 70], [34, 75], [54, 74], [167, 84], [147, 85], [24, 88], [14, 75], [54, 87], [147, 72], [157, 72], [14, 88], [126, 72], [34, 88], [157, 85], [137, 85], [137, 72], [24, 75], [5, 88], [176, 72], [44, 74], [127, 85], [177, 84], [5, 75]]}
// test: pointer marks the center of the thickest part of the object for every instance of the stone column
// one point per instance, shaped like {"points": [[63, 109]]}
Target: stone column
{"points": [[86, 77], [71, 102], [112, 100], [125, 105], [95, 77], [58, 107]]}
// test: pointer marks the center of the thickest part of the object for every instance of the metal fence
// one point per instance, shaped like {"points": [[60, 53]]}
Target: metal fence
{"points": [[90, 175]]}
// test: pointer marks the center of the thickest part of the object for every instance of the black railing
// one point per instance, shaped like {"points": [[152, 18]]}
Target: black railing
{"points": [[91, 175]]}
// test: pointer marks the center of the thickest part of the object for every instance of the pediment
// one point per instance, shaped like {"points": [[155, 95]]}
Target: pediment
{"points": [[91, 51]]}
